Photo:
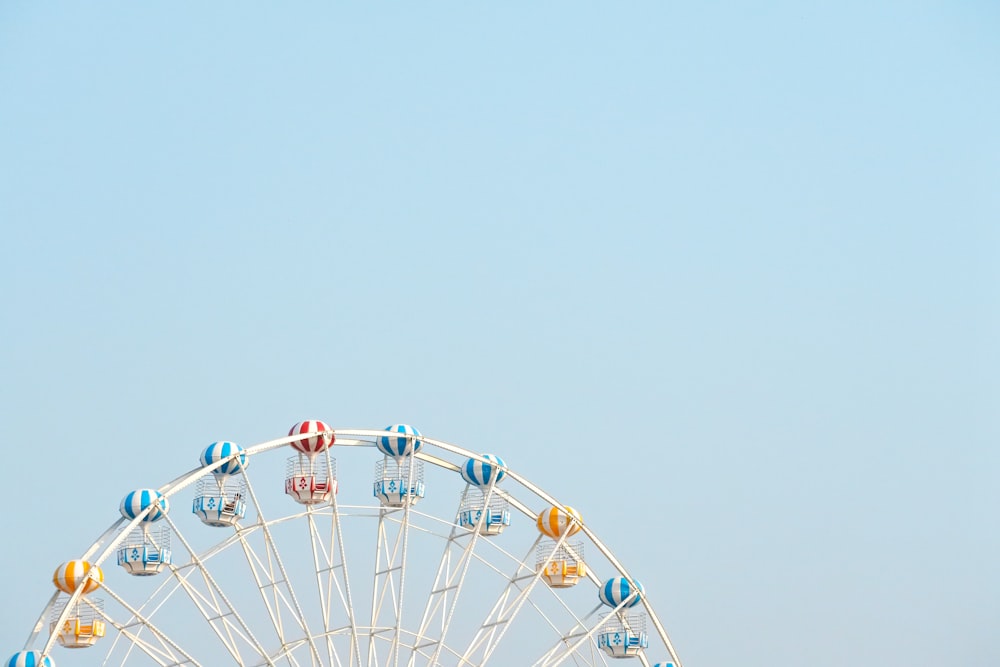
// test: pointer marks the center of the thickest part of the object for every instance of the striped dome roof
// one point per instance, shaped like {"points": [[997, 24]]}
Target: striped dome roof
{"points": [[404, 441], [555, 521], [618, 589], [483, 473], [224, 449], [71, 574], [322, 436], [29, 659], [136, 502]]}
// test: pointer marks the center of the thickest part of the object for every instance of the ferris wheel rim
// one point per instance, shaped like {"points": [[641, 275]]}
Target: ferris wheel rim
{"points": [[118, 531]]}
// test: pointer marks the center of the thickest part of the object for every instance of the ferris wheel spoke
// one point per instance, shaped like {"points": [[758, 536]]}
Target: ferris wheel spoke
{"points": [[519, 584], [439, 592], [163, 654], [390, 568], [213, 604], [450, 579], [273, 568], [134, 641], [507, 613], [387, 591], [355, 639], [405, 531], [217, 615], [291, 625], [579, 623], [322, 555], [579, 631], [557, 654], [329, 559]]}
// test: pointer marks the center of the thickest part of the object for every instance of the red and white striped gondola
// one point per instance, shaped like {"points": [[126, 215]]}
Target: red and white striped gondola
{"points": [[311, 475]]}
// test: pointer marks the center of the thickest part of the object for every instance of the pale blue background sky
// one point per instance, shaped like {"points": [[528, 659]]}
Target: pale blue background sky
{"points": [[731, 266]]}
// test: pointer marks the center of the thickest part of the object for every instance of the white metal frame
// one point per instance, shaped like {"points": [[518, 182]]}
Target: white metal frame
{"points": [[293, 636]]}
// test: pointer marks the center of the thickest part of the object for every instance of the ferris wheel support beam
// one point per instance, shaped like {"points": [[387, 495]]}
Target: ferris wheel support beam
{"points": [[330, 566], [577, 631], [545, 660], [514, 584], [451, 582], [169, 489], [502, 615], [393, 574], [266, 563], [464, 563], [274, 558], [438, 593], [145, 622], [405, 528], [607, 553], [506, 618], [352, 619], [224, 634], [214, 589], [586, 531], [326, 590]]}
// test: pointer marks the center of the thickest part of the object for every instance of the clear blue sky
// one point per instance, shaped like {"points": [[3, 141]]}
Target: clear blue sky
{"points": [[724, 276]]}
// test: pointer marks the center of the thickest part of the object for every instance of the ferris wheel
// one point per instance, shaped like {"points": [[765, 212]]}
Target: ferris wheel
{"points": [[443, 557]]}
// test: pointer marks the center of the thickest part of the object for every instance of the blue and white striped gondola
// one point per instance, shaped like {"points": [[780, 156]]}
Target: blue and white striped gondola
{"points": [[221, 450], [146, 552], [488, 519], [618, 589], [405, 441], [623, 635], [136, 502], [483, 473], [29, 659], [222, 503], [399, 483]]}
